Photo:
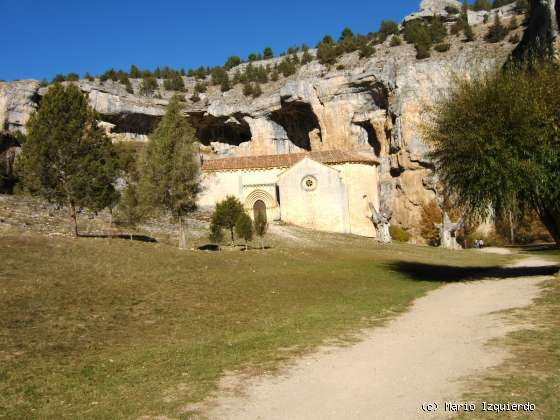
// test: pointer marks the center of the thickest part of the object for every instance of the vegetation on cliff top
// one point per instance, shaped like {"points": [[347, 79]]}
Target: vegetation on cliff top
{"points": [[423, 34]]}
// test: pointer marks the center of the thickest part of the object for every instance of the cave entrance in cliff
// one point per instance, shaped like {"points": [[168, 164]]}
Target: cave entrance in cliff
{"points": [[132, 123], [231, 131], [372, 138], [299, 121]]}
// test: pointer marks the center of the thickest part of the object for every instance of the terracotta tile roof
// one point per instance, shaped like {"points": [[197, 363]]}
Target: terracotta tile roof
{"points": [[287, 160]]}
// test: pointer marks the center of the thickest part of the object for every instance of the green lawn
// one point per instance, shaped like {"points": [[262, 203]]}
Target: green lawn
{"points": [[100, 328]]}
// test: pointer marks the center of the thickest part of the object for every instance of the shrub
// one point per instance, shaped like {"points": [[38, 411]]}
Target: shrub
{"points": [[148, 86], [513, 24], [200, 87], [123, 79], [469, 33], [326, 53], [396, 41], [306, 57], [431, 214], [232, 62], [218, 75], [387, 28], [287, 67], [422, 52], [134, 72], [72, 77], [216, 233], [260, 226], [244, 227], [399, 234], [175, 83], [267, 53], [497, 32], [257, 91], [442, 47], [226, 214], [225, 85], [58, 78]]}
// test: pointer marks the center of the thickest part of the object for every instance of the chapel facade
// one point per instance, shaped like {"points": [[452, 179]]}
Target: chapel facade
{"points": [[332, 191]]}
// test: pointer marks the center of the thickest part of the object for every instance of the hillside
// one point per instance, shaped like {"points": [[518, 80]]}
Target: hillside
{"points": [[376, 104]]}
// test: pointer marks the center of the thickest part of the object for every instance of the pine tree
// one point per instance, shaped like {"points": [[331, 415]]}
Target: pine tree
{"points": [[469, 33], [260, 227], [306, 57], [216, 233], [244, 228], [67, 159], [170, 170], [226, 214], [232, 61], [267, 53], [134, 72], [497, 32]]}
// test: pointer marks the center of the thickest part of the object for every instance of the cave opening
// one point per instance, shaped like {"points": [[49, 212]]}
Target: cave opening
{"points": [[132, 123], [299, 121], [372, 138], [232, 130]]}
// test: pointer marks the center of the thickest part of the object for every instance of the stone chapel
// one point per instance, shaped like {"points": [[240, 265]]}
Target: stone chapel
{"points": [[332, 191]]}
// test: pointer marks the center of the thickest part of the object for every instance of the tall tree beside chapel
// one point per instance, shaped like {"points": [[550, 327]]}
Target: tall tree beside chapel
{"points": [[496, 143], [170, 171], [67, 159]]}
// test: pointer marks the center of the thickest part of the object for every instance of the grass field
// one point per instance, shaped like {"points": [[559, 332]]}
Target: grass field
{"points": [[101, 328], [106, 328]]}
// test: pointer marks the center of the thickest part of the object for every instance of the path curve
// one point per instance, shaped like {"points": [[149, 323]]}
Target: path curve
{"points": [[421, 356]]}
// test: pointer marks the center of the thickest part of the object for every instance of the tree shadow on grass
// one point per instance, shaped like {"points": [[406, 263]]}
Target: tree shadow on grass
{"points": [[450, 274], [139, 238]]}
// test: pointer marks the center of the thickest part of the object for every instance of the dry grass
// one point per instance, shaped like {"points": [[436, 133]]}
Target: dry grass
{"points": [[532, 373], [106, 328]]}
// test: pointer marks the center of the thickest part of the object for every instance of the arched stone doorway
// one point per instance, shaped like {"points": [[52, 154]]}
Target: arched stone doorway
{"points": [[259, 208]]}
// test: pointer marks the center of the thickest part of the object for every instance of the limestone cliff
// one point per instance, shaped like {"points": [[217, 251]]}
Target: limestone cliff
{"points": [[374, 104]]}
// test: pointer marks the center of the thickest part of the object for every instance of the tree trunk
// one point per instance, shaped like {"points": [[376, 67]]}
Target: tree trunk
{"points": [[232, 238], [511, 230], [551, 220], [74, 219], [182, 233]]}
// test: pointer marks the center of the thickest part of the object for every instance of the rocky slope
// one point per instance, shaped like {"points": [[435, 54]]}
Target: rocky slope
{"points": [[375, 104]]}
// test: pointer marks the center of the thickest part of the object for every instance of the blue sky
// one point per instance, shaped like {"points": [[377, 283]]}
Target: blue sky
{"points": [[45, 37]]}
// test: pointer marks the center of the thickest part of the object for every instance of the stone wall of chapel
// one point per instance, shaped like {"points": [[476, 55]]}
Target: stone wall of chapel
{"points": [[216, 186], [362, 187], [320, 206]]}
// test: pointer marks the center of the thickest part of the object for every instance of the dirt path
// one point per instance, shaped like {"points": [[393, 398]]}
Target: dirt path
{"points": [[418, 357]]}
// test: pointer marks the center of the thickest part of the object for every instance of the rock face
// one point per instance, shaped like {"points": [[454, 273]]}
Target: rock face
{"points": [[376, 104]]}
